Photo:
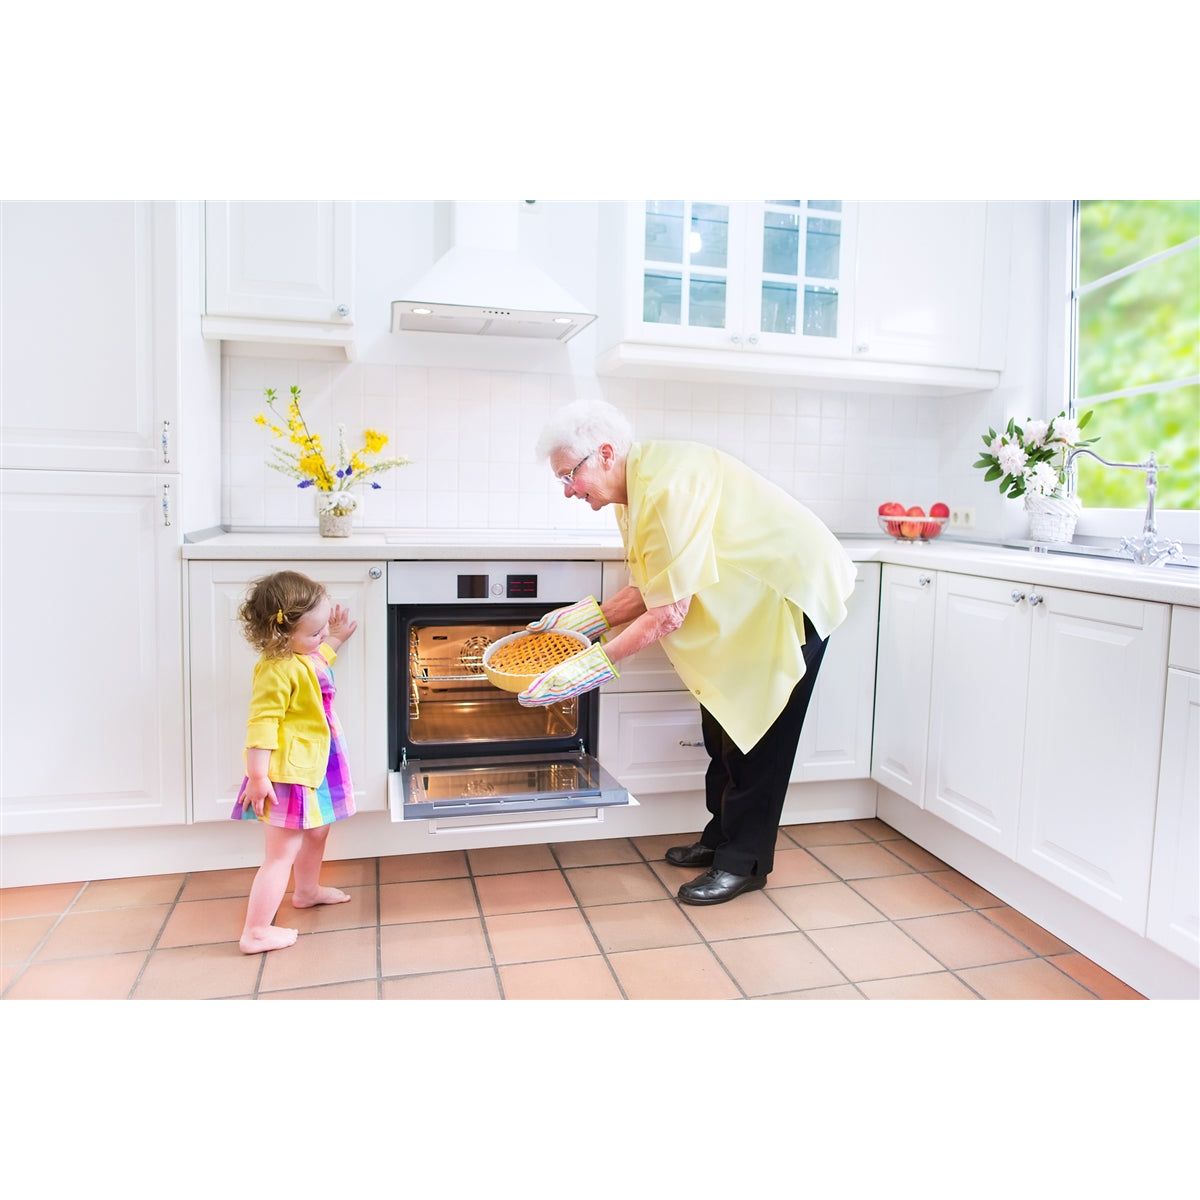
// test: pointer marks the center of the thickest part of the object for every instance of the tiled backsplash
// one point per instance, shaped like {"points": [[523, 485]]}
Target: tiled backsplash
{"points": [[470, 434]]}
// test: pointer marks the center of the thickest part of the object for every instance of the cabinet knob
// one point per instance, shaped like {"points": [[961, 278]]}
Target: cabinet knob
{"points": [[924, 580], [1035, 599], [737, 341], [753, 340], [342, 310], [1017, 597], [375, 572], [861, 348]]}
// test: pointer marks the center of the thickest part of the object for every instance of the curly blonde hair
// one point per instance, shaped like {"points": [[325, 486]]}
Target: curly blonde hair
{"points": [[273, 606]]}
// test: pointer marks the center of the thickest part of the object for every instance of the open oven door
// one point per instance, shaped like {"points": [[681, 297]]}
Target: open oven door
{"points": [[508, 784]]}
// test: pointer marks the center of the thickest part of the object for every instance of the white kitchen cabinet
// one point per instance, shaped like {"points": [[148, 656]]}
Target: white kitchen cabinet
{"points": [[221, 662], [653, 742], [1093, 729], [931, 283], [92, 683], [90, 324], [835, 742], [1173, 920], [280, 272], [977, 707], [903, 677], [808, 292]]}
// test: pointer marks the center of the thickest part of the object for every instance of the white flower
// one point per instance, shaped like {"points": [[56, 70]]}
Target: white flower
{"points": [[1012, 459], [1035, 432], [1066, 429], [1041, 480], [340, 501]]}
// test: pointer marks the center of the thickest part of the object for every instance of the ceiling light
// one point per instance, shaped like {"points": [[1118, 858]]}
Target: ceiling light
{"points": [[423, 312], [562, 320]]}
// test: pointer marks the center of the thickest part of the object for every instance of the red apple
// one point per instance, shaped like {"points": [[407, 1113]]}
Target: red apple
{"points": [[937, 510], [892, 509], [913, 529]]}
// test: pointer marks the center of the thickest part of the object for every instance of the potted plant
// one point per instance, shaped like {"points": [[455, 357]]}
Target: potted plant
{"points": [[307, 463], [1030, 461]]}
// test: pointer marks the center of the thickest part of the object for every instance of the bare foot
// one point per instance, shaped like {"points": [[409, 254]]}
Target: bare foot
{"points": [[323, 895], [272, 938]]}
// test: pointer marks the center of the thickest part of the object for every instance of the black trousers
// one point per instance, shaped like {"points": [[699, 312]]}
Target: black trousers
{"points": [[745, 792]]}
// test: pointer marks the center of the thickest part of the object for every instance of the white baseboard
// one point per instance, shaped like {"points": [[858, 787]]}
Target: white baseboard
{"points": [[1141, 963]]}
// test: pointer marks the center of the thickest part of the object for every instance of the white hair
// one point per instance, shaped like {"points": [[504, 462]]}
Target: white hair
{"points": [[582, 427]]}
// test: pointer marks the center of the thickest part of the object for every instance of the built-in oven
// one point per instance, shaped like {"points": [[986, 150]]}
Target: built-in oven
{"points": [[457, 745]]}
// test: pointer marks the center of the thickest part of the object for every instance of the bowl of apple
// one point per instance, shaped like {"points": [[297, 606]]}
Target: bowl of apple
{"points": [[912, 524]]}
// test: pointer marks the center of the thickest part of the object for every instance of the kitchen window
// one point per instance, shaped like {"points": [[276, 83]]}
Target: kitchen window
{"points": [[1135, 353]]}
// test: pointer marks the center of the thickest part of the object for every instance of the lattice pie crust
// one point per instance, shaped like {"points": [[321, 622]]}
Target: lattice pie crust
{"points": [[533, 654]]}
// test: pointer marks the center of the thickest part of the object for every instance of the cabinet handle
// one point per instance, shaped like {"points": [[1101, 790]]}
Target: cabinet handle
{"points": [[1017, 597], [166, 441], [1035, 599], [342, 310], [166, 504], [924, 580], [686, 744], [375, 572], [737, 341]]}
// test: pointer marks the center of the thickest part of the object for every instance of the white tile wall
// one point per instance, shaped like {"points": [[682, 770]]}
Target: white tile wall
{"points": [[471, 433]]}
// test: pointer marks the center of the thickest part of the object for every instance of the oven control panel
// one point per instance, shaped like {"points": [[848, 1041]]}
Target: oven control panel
{"points": [[491, 582]]}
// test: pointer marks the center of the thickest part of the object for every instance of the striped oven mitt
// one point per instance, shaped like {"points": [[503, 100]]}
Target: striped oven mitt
{"points": [[583, 671], [584, 616]]}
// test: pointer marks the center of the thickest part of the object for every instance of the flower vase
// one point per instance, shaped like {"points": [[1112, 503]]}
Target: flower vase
{"points": [[332, 524], [1052, 518]]}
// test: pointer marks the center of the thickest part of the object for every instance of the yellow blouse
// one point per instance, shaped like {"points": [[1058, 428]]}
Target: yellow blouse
{"points": [[753, 559]]}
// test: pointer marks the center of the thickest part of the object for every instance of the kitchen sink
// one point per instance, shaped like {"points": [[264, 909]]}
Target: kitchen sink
{"points": [[1100, 550]]}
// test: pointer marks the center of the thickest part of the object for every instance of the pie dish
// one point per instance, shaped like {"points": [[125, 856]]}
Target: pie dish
{"points": [[514, 662]]}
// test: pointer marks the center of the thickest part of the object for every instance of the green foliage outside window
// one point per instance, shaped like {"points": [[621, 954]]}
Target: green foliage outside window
{"points": [[1143, 328]]}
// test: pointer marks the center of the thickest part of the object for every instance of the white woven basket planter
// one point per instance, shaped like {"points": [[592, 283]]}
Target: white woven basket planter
{"points": [[1052, 519]]}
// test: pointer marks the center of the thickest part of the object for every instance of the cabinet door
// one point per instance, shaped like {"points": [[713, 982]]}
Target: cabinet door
{"points": [[977, 707], [903, 675], [652, 742], [89, 323], [92, 683], [919, 285], [1092, 737], [288, 260], [1174, 919], [221, 662], [684, 262], [798, 270], [835, 742]]}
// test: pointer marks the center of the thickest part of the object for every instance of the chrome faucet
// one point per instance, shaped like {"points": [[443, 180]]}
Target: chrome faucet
{"points": [[1146, 550]]}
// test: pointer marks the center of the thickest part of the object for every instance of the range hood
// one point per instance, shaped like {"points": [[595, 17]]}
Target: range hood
{"points": [[482, 285]]}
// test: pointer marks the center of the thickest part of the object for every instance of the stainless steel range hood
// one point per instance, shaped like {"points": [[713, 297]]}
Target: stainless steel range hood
{"points": [[484, 286]]}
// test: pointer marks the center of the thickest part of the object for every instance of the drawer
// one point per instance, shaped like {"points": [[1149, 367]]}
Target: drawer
{"points": [[652, 742]]}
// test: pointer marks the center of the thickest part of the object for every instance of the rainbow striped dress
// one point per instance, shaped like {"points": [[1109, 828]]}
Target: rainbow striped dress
{"points": [[300, 807]]}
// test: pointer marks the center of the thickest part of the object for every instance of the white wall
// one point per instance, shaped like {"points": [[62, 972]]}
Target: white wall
{"points": [[468, 410]]}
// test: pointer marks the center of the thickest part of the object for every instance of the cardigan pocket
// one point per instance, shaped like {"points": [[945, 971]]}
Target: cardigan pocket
{"points": [[304, 753]]}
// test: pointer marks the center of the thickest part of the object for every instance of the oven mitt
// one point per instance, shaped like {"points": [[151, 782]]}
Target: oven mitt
{"points": [[583, 671], [584, 616]]}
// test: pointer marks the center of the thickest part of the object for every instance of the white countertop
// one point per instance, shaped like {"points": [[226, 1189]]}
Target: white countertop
{"points": [[1167, 585]]}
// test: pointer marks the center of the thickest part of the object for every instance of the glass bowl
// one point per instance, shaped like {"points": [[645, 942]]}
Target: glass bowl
{"points": [[912, 529]]}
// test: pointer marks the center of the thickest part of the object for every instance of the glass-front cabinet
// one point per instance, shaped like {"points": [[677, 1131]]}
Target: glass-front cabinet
{"points": [[742, 275]]}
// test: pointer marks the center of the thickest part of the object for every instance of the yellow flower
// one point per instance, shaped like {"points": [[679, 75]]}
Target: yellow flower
{"points": [[375, 440], [260, 419], [357, 463]]}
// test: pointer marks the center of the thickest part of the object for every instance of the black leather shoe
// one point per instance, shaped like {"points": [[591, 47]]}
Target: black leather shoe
{"points": [[716, 886], [695, 855]]}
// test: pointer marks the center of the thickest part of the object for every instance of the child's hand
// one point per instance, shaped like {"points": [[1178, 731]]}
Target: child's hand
{"points": [[257, 792], [341, 627]]}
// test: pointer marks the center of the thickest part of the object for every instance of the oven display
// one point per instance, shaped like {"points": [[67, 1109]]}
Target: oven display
{"points": [[522, 587], [472, 587]]}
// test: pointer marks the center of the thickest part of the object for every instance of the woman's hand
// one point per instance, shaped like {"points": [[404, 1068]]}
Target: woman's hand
{"points": [[258, 791], [341, 627]]}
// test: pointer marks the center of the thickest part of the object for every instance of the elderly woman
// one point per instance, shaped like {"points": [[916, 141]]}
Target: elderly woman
{"points": [[740, 583]]}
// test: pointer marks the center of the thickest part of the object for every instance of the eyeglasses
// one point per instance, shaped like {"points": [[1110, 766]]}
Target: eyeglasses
{"points": [[569, 478]]}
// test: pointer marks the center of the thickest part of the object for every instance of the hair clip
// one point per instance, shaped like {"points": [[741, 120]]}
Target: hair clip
{"points": [[279, 617]]}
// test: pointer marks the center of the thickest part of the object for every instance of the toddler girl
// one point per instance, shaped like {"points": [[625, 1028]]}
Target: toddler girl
{"points": [[297, 775]]}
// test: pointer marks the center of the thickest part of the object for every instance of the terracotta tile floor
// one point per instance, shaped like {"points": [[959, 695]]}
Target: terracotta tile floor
{"points": [[852, 911]]}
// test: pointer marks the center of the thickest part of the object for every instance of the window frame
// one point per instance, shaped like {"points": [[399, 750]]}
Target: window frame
{"points": [[1181, 525]]}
